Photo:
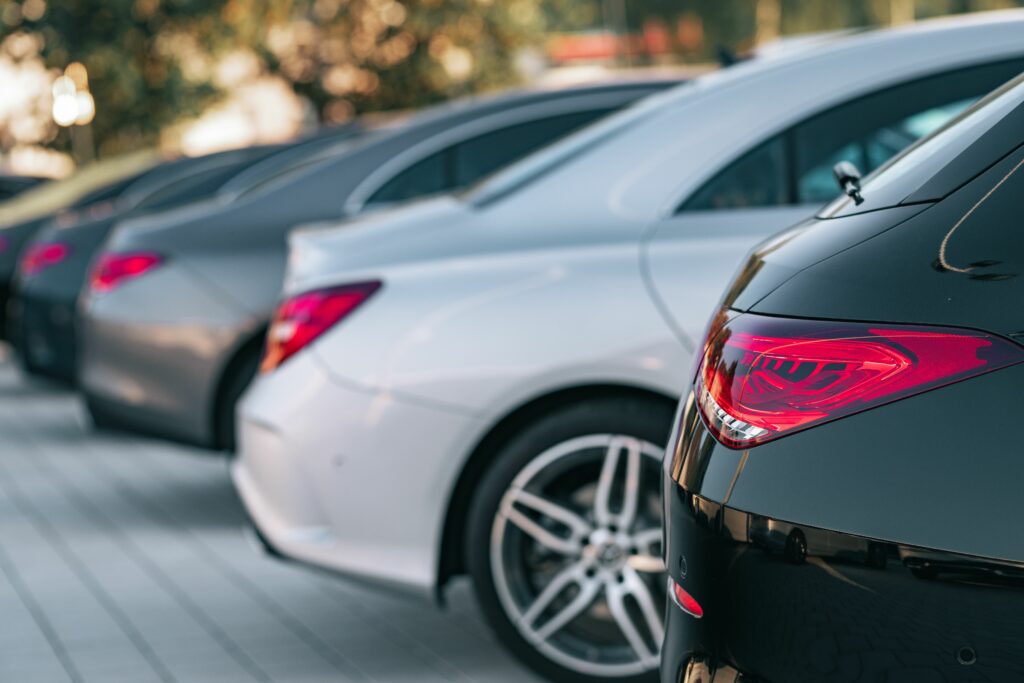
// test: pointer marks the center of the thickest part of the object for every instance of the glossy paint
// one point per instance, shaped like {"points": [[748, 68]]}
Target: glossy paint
{"points": [[160, 351], [882, 545], [526, 293]]}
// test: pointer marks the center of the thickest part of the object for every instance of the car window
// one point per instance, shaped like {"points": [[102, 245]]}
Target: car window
{"points": [[427, 176], [486, 153], [757, 179], [467, 162], [867, 131]]}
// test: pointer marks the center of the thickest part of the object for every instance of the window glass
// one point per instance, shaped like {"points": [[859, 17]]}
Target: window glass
{"points": [[815, 182], [427, 176], [867, 131], [485, 154], [758, 178]]}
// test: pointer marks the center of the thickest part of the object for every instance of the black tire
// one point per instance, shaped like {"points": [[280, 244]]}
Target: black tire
{"points": [[646, 420], [240, 375]]}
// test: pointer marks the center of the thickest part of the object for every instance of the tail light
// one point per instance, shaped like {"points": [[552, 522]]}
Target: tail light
{"points": [[762, 378], [684, 600], [42, 255], [303, 318], [114, 269]]}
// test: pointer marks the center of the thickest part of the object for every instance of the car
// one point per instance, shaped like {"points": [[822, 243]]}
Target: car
{"points": [[13, 185], [855, 384], [87, 192], [56, 263], [169, 352], [484, 384]]}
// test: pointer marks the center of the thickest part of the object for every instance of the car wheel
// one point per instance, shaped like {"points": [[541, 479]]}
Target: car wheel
{"points": [[564, 542]]}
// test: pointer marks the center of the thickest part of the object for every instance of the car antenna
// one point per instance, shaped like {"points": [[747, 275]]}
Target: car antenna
{"points": [[848, 176]]}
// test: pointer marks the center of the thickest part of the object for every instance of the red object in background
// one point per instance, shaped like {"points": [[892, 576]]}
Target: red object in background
{"points": [[112, 270], [762, 378], [303, 318], [40, 256]]}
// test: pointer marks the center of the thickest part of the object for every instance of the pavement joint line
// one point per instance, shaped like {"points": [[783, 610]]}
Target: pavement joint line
{"points": [[39, 616], [303, 632], [94, 587], [214, 630]]}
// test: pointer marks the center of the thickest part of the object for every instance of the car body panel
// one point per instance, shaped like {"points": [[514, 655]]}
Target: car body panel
{"points": [[237, 250]]}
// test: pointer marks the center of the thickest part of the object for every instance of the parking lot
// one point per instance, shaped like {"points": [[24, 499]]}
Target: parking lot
{"points": [[123, 560]]}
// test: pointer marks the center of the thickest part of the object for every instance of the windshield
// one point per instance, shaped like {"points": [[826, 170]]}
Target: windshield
{"points": [[539, 164], [907, 177]]}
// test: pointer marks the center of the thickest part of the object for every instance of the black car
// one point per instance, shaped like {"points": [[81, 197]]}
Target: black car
{"points": [[843, 492]]}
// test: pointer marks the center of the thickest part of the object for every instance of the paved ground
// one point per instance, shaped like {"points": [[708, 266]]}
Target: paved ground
{"points": [[122, 560]]}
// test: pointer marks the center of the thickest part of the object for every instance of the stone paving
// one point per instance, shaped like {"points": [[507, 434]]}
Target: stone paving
{"points": [[122, 560]]}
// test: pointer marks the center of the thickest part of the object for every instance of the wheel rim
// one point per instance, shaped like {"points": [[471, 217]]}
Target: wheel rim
{"points": [[576, 555]]}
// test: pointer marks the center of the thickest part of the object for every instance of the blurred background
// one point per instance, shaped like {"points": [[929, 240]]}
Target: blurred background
{"points": [[88, 79]]}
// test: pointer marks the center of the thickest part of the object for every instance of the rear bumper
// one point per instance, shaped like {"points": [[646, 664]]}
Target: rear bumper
{"points": [[788, 602], [152, 355], [42, 330], [349, 479]]}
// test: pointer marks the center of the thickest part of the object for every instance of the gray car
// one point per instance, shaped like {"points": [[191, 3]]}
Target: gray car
{"points": [[173, 325]]}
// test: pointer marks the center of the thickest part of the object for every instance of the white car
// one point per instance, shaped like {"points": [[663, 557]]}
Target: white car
{"points": [[485, 383]]}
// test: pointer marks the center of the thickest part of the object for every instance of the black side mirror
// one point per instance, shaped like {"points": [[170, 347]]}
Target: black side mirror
{"points": [[848, 177]]}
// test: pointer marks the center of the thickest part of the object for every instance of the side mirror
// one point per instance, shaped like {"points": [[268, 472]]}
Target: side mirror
{"points": [[848, 177]]}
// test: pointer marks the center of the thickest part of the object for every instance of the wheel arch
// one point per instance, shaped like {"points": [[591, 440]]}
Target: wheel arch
{"points": [[251, 344], [451, 558]]}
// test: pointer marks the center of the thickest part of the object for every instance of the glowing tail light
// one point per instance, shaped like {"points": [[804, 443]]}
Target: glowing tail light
{"points": [[42, 255], [303, 318], [762, 378], [114, 269]]}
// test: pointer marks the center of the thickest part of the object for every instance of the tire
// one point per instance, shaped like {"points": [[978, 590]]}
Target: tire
{"points": [[242, 374], [607, 562]]}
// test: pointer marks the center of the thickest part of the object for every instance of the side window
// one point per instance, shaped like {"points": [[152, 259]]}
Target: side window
{"points": [[427, 176], [796, 166], [758, 178], [489, 152], [871, 129]]}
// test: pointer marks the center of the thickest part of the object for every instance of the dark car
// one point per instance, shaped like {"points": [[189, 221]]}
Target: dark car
{"points": [[843, 493], [13, 185], [169, 348], [88, 193], [55, 264]]}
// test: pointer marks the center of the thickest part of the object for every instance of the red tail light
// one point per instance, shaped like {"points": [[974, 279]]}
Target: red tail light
{"points": [[303, 318], [684, 600], [42, 255], [762, 378], [113, 270]]}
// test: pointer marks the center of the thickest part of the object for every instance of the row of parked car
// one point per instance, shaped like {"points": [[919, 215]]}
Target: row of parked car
{"points": [[484, 381]]}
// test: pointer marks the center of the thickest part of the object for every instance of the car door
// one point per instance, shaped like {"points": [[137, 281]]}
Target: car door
{"points": [[691, 256]]}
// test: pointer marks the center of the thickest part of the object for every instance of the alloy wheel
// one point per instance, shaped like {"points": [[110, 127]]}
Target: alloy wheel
{"points": [[576, 555]]}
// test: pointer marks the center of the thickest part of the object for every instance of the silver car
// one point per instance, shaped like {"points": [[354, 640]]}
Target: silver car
{"points": [[484, 384], [173, 325]]}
